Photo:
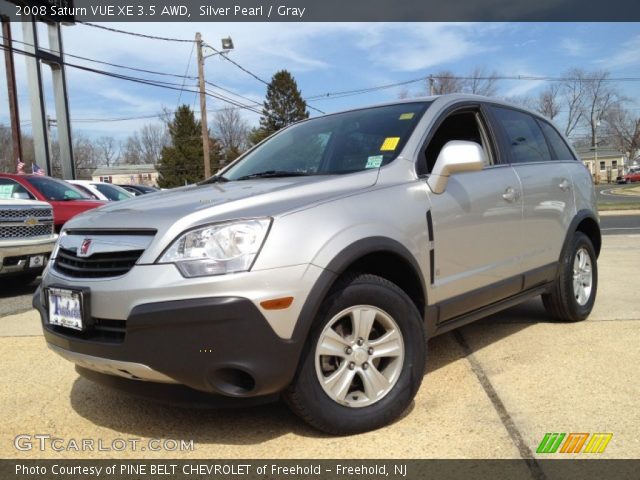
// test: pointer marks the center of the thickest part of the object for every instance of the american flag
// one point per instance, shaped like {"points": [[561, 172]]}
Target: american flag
{"points": [[20, 167], [36, 170]]}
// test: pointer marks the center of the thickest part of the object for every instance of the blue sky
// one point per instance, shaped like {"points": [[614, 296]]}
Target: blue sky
{"points": [[324, 57]]}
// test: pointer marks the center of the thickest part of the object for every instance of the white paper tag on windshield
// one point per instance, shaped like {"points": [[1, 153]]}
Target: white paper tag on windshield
{"points": [[374, 161]]}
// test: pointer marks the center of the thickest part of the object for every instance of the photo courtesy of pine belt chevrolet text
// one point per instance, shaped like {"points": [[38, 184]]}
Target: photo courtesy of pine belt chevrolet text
{"points": [[317, 265]]}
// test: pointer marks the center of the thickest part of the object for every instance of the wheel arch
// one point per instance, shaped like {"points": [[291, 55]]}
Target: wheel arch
{"points": [[380, 256], [586, 222]]}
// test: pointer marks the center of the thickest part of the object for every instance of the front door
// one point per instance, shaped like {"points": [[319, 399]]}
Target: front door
{"points": [[476, 224]]}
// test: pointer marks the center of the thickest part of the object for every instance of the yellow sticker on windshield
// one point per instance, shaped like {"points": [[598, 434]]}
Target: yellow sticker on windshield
{"points": [[406, 116], [389, 144]]}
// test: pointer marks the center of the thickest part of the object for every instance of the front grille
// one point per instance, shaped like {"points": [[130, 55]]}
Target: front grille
{"points": [[14, 222], [26, 231], [9, 214], [102, 330], [98, 265]]}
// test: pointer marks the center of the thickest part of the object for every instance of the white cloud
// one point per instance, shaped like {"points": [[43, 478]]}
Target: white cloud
{"points": [[573, 47], [628, 54]]}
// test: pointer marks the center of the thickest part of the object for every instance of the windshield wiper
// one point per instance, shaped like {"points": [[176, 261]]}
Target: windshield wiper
{"points": [[214, 179], [273, 174]]}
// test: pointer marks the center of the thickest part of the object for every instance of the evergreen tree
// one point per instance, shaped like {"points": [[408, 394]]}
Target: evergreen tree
{"points": [[181, 162], [283, 106]]}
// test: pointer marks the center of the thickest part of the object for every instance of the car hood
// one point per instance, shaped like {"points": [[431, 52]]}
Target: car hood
{"points": [[183, 207], [13, 202]]}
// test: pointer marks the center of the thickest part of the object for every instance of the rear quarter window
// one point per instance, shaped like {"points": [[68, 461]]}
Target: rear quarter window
{"points": [[560, 150]]}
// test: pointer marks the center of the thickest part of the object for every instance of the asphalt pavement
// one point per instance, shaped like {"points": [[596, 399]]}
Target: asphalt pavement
{"points": [[620, 224], [610, 194], [493, 389]]}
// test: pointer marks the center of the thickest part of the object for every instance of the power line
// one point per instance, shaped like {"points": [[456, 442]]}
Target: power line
{"points": [[141, 35], [224, 55], [221, 53], [144, 81], [186, 71], [135, 69], [359, 91], [168, 39], [184, 77]]}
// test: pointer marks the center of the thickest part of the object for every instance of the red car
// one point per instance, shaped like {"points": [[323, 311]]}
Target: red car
{"points": [[67, 201], [633, 176]]}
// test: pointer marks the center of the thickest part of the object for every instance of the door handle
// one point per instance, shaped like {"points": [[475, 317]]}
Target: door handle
{"points": [[510, 194], [564, 185]]}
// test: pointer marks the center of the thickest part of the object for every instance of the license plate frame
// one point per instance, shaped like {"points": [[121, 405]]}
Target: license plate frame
{"points": [[36, 261], [76, 303]]}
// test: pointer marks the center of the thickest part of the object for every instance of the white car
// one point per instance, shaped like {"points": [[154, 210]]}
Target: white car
{"points": [[102, 190]]}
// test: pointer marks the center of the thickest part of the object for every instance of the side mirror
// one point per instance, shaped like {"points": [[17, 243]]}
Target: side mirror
{"points": [[21, 196], [455, 157]]}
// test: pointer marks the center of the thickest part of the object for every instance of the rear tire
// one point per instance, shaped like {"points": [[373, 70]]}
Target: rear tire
{"points": [[364, 359], [572, 297]]}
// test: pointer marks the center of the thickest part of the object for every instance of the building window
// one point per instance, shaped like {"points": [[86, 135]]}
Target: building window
{"points": [[614, 164], [106, 179], [602, 166]]}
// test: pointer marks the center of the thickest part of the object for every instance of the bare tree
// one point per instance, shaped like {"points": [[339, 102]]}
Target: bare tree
{"points": [[573, 93], [153, 137], [623, 129], [600, 97], [6, 150], [548, 101], [131, 150], [107, 150], [85, 156], [479, 82], [232, 131], [145, 146], [445, 82]]}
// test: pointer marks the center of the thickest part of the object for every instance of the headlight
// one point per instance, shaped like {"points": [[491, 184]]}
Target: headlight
{"points": [[217, 249]]}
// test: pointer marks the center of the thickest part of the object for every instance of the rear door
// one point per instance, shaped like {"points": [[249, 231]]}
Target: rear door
{"points": [[548, 202]]}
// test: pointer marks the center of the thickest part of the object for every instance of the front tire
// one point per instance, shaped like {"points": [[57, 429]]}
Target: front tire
{"points": [[572, 297], [364, 360]]}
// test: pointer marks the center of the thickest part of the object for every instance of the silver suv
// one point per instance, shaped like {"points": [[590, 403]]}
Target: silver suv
{"points": [[317, 265]]}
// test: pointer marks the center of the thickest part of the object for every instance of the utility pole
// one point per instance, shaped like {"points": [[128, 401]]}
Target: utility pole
{"points": [[203, 108], [10, 71], [431, 85]]}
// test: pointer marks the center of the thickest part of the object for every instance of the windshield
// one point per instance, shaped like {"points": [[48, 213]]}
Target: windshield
{"points": [[56, 189], [112, 192], [335, 144]]}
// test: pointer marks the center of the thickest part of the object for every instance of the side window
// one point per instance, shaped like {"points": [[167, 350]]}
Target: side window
{"points": [[525, 141], [558, 145], [11, 189], [458, 126]]}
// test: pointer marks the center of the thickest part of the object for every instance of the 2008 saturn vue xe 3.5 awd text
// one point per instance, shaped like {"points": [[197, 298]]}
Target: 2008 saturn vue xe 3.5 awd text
{"points": [[318, 263]]}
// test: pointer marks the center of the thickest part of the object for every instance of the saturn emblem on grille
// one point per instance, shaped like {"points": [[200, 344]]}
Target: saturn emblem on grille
{"points": [[31, 221], [84, 248]]}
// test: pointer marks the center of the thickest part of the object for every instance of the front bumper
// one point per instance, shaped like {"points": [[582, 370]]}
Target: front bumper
{"points": [[14, 254], [219, 345]]}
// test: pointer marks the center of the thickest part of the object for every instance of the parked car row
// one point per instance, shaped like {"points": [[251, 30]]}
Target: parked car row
{"points": [[33, 209]]}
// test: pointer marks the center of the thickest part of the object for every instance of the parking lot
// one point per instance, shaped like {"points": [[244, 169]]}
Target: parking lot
{"points": [[492, 390]]}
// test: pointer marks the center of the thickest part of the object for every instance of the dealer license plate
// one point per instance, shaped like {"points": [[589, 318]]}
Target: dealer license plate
{"points": [[65, 308]]}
